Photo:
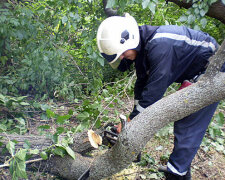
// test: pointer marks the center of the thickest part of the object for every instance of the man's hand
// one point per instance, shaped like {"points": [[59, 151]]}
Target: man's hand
{"points": [[119, 126]]}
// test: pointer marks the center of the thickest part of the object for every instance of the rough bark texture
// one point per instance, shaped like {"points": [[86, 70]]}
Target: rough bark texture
{"points": [[80, 145], [216, 10], [141, 129]]}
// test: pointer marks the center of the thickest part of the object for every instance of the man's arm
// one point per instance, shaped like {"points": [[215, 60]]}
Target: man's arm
{"points": [[160, 58]]}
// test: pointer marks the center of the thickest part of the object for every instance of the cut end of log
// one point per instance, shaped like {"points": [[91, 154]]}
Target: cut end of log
{"points": [[95, 139]]}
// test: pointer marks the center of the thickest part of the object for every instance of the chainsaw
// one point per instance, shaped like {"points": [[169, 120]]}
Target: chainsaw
{"points": [[110, 134]]}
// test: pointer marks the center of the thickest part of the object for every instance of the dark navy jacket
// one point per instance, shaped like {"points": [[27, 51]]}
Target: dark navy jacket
{"points": [[167, 54]]}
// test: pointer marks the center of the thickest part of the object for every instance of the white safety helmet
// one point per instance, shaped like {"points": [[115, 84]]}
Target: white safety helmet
{"points": [[115, 35]]}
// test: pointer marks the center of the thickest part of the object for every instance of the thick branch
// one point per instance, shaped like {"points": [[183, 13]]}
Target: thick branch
{"points": [[216, 61], [216, 10], [109, 11]]}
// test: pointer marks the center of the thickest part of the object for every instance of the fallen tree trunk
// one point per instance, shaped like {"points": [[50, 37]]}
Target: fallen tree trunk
{"points": [[134, 136], [80, 145]]}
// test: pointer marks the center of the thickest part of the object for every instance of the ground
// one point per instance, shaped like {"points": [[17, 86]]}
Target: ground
{"points": [[207, 165]]}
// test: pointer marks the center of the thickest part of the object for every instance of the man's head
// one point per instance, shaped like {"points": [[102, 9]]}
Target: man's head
{"points": [[117, 37], [129, 54]]}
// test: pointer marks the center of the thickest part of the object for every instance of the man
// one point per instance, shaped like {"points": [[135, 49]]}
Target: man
{"points": [[162, 55]]}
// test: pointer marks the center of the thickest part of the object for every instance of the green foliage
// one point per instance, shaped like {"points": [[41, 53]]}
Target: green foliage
{"points": [[12, 118], [94, 111], [215, 134], [151, 164], [39, 42], [17, 164]]}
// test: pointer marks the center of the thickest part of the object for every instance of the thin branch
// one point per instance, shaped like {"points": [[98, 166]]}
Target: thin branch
{"points": [[26, 162], [130, 80]]}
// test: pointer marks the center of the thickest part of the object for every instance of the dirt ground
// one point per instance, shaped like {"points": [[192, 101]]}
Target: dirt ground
{"points": [[205, 166], [208, 165]]}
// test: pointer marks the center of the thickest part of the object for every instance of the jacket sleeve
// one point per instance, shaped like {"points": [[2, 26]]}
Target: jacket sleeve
{"points": [[160, 58]]}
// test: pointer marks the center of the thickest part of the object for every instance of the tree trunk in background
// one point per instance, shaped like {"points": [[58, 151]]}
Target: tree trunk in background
{"points": [[216, 10]]}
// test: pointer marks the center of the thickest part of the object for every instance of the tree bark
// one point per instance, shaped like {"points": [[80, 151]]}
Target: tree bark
{"points": [[216, 10], [109, 11], [80, 145]]}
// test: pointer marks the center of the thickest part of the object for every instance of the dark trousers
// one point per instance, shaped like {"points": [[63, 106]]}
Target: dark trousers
{"points": [[189, 133]]}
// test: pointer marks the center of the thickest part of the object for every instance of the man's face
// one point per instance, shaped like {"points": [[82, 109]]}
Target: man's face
{"points": [[129, 54]]}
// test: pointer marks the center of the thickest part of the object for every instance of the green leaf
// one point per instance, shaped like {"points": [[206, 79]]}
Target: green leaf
{"points": [[153, 176], [33, 151], [220, 119], [60, 151], [70, 152], [55, 138], [203, 22], [60, 130], [213, 1], [82, 126], [2, 98], [62, 119], [203, 12], [98, 124], [12, 166], [70, 112], [2, 18], [26, 144], [101, 61], [24, 104], [191, 19], [44, 155], [145, 3], [21, 169], [44, 107], [14, 177], [83, 116], [11, 147], [196, 27], [110, 4], [183, 18], [3, 127], [64, 19], [196, 11], [50, 114], [21, 121], [44, 127], [152, 7], [219, 147], [21, 154]]}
